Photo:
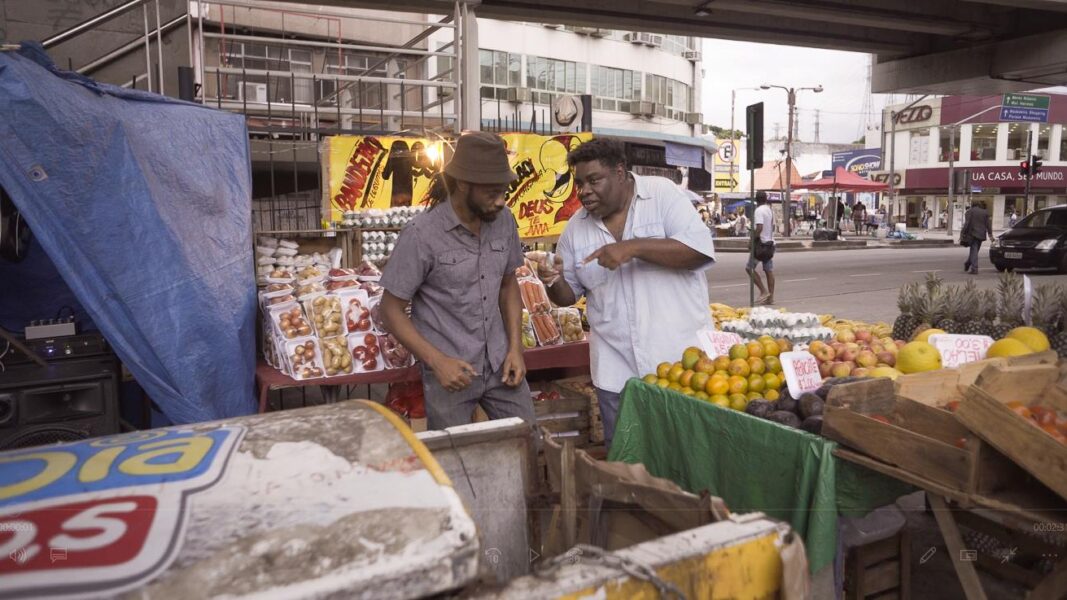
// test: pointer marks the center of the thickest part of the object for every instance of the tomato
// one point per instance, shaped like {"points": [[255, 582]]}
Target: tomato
{"points": [[953, 406], [961, 443], [1020, 409]]}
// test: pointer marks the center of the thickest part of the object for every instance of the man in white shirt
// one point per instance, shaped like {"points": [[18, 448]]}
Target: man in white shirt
{"points": [[637, 251], [763, 220]]}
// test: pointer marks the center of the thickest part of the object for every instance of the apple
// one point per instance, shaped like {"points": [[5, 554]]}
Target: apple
{"points": [[889, 358], [866, 358], [860, 372], [876, 347], [846, 335], [822, 352], [825, 369], [886, 341], [841, 369], [899, 343], [852, 346], [848, 354], [838, 347], [862, 335]]}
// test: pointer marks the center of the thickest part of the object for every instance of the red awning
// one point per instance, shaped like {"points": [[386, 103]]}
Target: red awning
{"points": [[844, 181]]}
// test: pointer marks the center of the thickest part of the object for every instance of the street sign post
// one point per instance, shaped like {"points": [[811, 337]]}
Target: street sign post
{"points": [[1032, 108]]}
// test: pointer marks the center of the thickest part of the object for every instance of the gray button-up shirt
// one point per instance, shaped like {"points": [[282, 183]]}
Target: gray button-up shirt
{"points": [[452, 278]]}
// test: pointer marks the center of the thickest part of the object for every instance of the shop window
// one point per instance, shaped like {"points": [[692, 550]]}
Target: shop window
{"points": [[1017, 135], [920, 147], [949, 142], [1016, 204], [984, 142], [1063, 143], [1043, 133]]}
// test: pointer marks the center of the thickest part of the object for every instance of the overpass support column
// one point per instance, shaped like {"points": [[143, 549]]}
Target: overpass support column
{"points": [[470, 103]]}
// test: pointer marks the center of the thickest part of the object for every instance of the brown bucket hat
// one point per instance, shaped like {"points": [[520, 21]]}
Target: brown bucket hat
{"points": [[481, 158]]}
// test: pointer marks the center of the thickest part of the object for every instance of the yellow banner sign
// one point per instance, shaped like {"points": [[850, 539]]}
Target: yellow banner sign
{"points": [[364, 172], [377, 172], [543, 198]]}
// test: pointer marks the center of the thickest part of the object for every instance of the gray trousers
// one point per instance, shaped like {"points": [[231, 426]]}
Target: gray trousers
{"points": [[609, 412], [447, 409]]}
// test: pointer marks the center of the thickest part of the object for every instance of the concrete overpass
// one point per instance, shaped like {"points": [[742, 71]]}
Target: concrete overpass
{"points": [[919, 46]]}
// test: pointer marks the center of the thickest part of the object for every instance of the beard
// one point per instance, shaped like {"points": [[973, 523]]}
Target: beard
{"points": [[485, 215]]}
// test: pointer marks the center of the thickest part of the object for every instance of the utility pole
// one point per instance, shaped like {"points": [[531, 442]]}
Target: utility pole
{"points": [[787, 202], [777, 131], [787, 205], [951, 178], [816, 126]]}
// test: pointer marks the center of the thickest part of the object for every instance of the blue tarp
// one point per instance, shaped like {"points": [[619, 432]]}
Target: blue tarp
{"points": [[143, 203]]}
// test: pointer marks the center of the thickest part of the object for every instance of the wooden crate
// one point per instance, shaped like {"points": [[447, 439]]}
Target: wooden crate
{"points": [[938, 388], [880, 570], [984, 412], [583, 385], [924, 440], [567, 417]]}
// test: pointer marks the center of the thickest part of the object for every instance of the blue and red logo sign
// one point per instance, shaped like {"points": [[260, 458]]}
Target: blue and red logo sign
{"points": [[103, 515]]}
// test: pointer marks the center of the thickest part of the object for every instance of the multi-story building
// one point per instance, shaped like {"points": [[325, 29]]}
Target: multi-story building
{"points": [[645, 87], [300, 72], [984, 137]]}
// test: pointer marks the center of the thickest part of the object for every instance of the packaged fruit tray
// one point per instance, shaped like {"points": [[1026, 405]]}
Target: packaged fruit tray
{"points": [[929, 442], [1022, 411]]}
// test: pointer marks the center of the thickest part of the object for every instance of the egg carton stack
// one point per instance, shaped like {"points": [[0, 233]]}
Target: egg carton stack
{"points": [[377, 218], [798, 328], [378, 245], [274, 255]]}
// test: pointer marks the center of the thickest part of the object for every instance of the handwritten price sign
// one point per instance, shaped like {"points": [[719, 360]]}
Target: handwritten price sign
{"points": [[717, 343], [956, 350], [801, 372]]}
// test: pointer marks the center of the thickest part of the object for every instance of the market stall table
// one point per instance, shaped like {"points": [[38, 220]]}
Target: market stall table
{"points": [[751, 463], [1014, 510], [570, 356]]}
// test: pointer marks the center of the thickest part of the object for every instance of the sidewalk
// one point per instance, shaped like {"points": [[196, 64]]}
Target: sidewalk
{"points": [[934, 238]]}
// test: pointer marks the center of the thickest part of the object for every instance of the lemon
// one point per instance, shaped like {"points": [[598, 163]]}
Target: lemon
{"points": [[889, 372], [916, 357], [1031, 336], [1007, 347], [924, 335]]}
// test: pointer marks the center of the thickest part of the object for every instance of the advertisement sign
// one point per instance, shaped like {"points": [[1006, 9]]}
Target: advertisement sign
{"points": [[543, 198], [364, 172], [1024, 107], [102, 515], [861, 162], [1003, 178], [924, 114]]}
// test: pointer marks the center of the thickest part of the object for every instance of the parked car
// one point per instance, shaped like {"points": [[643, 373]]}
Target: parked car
{"points": [[1038, 241]]}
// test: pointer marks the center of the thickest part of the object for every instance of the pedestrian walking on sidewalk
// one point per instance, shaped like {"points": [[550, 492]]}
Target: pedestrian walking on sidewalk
{"points": [[859, 215], [976, 228], [763, 221], [1013, 219]]}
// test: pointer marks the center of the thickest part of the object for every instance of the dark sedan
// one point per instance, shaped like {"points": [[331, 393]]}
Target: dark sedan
{"points": [[1039, 241]]}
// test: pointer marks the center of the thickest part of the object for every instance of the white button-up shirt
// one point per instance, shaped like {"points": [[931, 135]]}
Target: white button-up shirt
{"points": [[640, 314]]}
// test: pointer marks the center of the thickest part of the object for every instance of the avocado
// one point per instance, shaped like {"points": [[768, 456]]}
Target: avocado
{"points": [[812, 424], [786, 404], [810, 405], [784, 417], [823, 391], [760, 408]]}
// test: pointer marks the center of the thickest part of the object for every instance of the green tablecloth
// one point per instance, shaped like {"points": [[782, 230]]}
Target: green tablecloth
{"points": [[751, 463]]}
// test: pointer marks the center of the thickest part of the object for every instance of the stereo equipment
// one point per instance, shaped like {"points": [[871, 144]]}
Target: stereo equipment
{"points": [[74, 397]]}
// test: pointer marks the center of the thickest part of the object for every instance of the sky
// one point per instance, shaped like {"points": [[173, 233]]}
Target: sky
{"points": [[730, 65]]}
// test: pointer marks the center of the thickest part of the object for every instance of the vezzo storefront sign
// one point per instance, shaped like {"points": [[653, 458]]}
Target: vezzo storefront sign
{"points": [[913, 117]]}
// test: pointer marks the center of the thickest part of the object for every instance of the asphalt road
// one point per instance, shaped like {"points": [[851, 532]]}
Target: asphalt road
{"points": [[854, 284]]}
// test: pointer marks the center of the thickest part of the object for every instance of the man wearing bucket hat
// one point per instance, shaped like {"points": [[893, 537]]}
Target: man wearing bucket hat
{"points": [[456, 264]]}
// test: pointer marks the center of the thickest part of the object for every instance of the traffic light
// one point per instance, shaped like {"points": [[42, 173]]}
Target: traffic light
{"points": [[1035, 164], [1024, 169]]}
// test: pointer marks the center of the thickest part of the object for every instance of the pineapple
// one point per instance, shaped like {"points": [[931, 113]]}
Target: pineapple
{"points": [[1010, 309], [947, 308], [987, 313], [971, 311], [1059, 340], [927, 304], [904, 326], [1045, 310]]}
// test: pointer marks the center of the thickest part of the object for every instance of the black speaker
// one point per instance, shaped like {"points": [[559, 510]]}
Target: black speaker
{"points": [[754, 133], [824, 235], [66, 401], [186, 84]]}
